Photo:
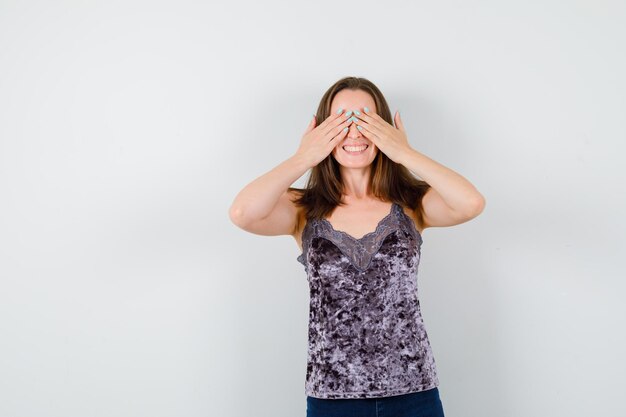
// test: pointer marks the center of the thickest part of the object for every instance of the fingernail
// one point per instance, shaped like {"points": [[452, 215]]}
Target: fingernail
{"points": [[355, 119], [345, 129], [359, 127], [358, 113], [349, 113], [366, 110], [339, 110]]}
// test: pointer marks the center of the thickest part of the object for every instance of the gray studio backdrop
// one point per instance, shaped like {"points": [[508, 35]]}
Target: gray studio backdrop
{"points": [[128, 127]]}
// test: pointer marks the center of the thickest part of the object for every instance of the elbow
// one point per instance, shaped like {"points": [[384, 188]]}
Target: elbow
{"points": [[477, 206], [235, 213]]}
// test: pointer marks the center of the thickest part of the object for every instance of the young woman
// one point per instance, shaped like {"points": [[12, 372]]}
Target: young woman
{"points": [[359, 225]]}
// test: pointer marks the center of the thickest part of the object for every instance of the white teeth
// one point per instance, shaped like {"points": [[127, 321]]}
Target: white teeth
{"points": [[355, 148]]}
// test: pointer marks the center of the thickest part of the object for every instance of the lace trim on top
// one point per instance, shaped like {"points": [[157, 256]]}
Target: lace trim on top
{"points": [[359, 251]]}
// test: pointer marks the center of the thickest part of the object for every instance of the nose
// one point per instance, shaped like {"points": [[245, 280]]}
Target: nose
{"points": [[353, 132]]}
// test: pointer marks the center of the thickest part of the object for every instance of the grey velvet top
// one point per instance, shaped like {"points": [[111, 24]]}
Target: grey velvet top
{"points": [[366, 335]]}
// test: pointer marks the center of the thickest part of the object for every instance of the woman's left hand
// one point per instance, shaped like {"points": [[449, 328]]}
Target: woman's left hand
{"points": [[390, 140]]}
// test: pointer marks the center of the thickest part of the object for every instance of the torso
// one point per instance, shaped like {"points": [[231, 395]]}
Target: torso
{"points": [[358, 220], [366, 335]]}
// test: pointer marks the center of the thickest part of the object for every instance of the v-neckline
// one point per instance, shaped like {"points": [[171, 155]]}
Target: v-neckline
{"points": [[379, 226]]}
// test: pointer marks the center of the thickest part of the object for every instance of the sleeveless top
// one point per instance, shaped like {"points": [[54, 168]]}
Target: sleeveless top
{"points": [[366, 336]]}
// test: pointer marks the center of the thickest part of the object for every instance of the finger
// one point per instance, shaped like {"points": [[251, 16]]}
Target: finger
{"points": [[367, 131], [398, 120], [332, 120], [373, 128], [367, 115], [374, 121], [344, 117], [339, 137], [310, 126], [371, 117], [345, 125]]}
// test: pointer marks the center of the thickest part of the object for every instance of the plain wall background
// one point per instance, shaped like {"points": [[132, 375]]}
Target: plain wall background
{"points": [[128, 127]]}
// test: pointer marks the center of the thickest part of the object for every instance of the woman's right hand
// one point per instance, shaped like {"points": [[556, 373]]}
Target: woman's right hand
{"points": [[318, 142]]}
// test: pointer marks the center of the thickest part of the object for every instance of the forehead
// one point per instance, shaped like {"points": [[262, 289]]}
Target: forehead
{"points": [[351, 100]]}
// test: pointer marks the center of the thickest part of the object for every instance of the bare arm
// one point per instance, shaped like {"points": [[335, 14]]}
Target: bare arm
{"points": [[451, 198], [264, 206]]}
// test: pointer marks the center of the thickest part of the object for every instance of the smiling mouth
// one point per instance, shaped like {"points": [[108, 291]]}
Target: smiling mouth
{"points": [[355, 150]]}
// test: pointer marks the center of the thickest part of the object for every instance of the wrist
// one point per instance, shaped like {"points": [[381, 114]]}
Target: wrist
{"points": [[406, 155], [300, 161]]}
